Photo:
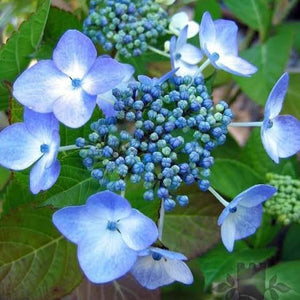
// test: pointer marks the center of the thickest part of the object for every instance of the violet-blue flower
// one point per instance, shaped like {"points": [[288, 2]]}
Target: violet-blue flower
{"points": [[242, 216], [109, 234], [156, 267], [35, 140], [218, 40], [183, 55], [106, 100], [68, 84], [280, 134]]}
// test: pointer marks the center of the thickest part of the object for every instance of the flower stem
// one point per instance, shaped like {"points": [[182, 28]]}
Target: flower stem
{"points": [[158, 51], [66, 148], [202, 67], [161, 220], [123, 194], [246, 124], [218, 196]]}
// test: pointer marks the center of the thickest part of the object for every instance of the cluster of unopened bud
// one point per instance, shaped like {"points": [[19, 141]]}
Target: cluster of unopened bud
{"points": [[126, 26], [285, 205], [165, 135]]}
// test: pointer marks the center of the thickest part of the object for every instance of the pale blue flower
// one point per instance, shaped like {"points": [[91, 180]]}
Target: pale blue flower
{"points": [[69, 84], [106, 100], [242, 216], [156, 267], [183, 55], [280, 134], [109, 234], [35, 140], [219, 43]]}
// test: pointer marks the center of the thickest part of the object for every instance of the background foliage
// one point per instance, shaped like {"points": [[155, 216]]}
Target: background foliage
{"points": [[36, 262]]}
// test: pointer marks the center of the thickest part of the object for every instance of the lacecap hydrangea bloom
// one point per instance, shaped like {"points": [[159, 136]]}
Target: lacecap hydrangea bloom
{"points": [[109, 234], [36, 140], [68, 84], [157, 267], [157, 111], [280, 134], [242, 216], [218, 40]]}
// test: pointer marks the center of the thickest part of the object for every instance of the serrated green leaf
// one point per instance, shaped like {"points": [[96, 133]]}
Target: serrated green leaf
{"points": [[288, 275], [15, 55], [218, 263], [231, 177], [255, 13], [192, 230], [36, 261], [270, 58]]}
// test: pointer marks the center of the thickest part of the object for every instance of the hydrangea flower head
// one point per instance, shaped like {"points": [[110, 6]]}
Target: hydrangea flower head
{"points": [[242, 216], [218, 41], [183, 55], [280, 134], [68, 84], [156, 267], [179, 21], [109, 234], [35, 140]]}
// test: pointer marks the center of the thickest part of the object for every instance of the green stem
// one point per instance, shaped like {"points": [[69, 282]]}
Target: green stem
{"points": [[158, 51], [202, 67], [218, 196], [246, 124], [123, 194], [66, 148]]}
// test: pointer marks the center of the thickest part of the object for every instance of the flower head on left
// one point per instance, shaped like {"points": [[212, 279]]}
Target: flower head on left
{"points": [[34, 140], [68, 84], [109, 234]]}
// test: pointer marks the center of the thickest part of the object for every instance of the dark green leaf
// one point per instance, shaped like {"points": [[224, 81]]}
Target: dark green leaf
{"points": [[16, 54], [207, 5], [281, 287], [291, 244], [193, 230], [270, 58], [58, 22], [231, 177], [218, 263], [292, 101], [273, 281], [255, 13], [36, 261]]}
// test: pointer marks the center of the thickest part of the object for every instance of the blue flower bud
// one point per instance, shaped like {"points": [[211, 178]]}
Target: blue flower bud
{"points": [[162, 193], [149, 195], [203, 185], [182, 200], [169, 204], [97, 174], [80, 142]]}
